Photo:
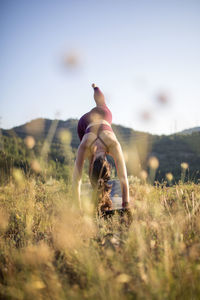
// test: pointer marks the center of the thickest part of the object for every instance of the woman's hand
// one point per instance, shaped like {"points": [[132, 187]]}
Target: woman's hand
{"points": [[127, 217], [125, 204]]}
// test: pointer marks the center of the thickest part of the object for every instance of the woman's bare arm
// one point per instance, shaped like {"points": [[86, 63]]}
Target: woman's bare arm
{"points": [[77, 173], [115, 151]]}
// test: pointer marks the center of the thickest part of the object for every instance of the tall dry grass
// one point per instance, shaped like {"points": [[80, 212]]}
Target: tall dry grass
{"points": [[49, 251]]}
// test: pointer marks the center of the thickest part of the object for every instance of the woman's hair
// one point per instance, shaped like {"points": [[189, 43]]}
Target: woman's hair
{"points": [[99, 177]]}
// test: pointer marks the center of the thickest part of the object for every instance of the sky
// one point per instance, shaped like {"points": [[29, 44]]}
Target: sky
{"points": [[144, 55]]}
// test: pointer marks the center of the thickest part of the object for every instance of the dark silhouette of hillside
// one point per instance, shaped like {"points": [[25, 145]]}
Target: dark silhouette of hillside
{"points": [[190, 130], [170, 150], [39, 129]]}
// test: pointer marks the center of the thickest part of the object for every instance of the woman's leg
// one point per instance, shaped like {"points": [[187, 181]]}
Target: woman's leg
{"points": [[98, 96]]}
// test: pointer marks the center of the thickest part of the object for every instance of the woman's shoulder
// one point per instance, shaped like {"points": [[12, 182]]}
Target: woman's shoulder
{"points": [[109, 138], [88, 138]]}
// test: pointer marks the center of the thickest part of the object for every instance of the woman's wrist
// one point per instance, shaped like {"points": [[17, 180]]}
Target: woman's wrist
{"points": [[125, 204]]}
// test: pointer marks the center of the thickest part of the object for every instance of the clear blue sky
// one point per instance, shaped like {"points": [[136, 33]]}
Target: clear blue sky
{"points": [[133, 50]]}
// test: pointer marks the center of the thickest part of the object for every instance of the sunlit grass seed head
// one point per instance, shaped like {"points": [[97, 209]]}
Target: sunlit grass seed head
{"points": [[152, 244], [133, 180], [169, 176], [184, 165], [35, 165], [153, 163], [65, 136], [184, 168], [18, 176], [29, 142], [3, 220], [35, 284], [123, 278], [143, 175]]}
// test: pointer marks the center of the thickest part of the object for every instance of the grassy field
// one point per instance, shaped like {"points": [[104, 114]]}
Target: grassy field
{"points": [[49, 251]]}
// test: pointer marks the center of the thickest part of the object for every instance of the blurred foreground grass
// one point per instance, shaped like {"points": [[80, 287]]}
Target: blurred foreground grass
{"points": [[49, 251]]}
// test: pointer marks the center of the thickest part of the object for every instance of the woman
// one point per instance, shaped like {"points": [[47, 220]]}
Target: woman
{"points": [[97, 140]]}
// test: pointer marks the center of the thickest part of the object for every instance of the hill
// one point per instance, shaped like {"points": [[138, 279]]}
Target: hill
{"points": [[170, 150], [190, 130], [40, 128]]}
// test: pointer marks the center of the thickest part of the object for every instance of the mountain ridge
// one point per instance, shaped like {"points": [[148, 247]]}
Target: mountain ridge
{"points": [[190, 130], [75, 121], [39, 128], [137, 146]]}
